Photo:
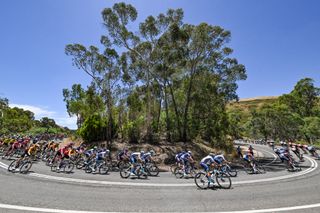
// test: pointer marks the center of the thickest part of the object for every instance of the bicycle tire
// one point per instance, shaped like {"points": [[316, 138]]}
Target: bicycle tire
{"points": [[125, 172], [178, 173], [12, 166], [201, 180], [232, 172], [54, 167], [88, 169], [25, 167], [141, 174], [103, 169], [153, 170], [224, 181], [260, 169], [68, 167], [80, 163]]}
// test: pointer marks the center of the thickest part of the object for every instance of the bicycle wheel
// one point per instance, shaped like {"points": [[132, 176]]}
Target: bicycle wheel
{"points": [[247, 169], [178, 172], [88, 168], [224, 181], [54, 167], [125, 172], [68, 167], [25, 167], [260, 169], [201, 180], [141, 173], [232, 171], [13, 166], [172, 168], [153, 170], [80, 163], [103, 169]]}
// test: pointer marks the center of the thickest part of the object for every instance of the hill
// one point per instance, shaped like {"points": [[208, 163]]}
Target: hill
{"points": [[252, 103]]}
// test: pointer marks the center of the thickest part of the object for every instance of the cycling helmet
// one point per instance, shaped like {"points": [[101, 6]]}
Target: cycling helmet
{"points": [[152, 152], [211, 154], [95, 147], [189, 152], [142, 152]]}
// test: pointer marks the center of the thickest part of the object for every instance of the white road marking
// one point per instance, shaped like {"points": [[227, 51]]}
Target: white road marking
{"points": [[275, 157], [313, 166], [36, 209], [3, 165]]}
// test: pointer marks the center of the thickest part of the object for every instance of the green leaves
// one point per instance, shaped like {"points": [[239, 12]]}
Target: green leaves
{"points": [[169, 70]]}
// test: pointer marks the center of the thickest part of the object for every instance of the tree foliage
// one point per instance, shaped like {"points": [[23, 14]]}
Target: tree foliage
{"points": [[168, 78]]}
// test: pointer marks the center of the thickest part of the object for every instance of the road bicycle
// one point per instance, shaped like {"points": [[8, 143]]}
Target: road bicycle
{"points": [[190, 171], [66, 166], [140, 172], [204, 181], [23, 166], [249, 168], [101, 167]]}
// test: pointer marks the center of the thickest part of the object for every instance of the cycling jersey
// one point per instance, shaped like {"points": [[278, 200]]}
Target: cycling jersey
{"points": [[122, 154], [178, 156], [208, 160], [90, 152], [146, 157], [102, 155], [134, 157], [219, 159]]}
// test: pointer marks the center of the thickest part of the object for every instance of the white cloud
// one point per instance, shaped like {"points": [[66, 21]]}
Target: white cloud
{"points": [[40, 112], [70, 122]]}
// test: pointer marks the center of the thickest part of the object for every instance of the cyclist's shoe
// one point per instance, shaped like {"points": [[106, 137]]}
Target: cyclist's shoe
{"points": [[132, 174]]}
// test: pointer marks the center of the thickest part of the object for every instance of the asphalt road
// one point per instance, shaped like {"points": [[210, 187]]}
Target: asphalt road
{"points": [[163, 194]]}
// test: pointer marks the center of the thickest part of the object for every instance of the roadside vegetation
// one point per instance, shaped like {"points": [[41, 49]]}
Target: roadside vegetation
{"points": [[19, 121], [290, 117]]}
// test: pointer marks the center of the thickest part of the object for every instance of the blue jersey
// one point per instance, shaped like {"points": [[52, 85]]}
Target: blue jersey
{"points": [[135, 154], [185, 156], [207, 160], [146, 156], [178, 156], [219, 158]]}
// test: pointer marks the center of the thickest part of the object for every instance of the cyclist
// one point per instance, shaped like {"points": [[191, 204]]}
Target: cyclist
{"points": [[135, 157], [248, 157], [250, 149], [313, 151], [205, 163], [62, 153], [186, 159], [123, 155], [30, 151], [178, 157], [100, 157], [147, 157], [81, 149], [239, 152]]}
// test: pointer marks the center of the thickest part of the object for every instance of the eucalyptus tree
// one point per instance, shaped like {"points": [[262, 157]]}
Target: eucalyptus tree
{"points": [[104, 70], [141, 55]]}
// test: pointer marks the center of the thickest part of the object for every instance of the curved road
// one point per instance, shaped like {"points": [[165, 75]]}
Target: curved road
{"points": [[44, 191]]}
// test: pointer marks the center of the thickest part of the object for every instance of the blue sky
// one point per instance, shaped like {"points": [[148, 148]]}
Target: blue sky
{"points": [[277, 41]]}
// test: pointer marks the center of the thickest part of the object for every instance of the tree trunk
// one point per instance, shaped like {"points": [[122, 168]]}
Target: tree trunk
{"points": [[149, 129], [176, 112], [168, 134], [186, 110]]}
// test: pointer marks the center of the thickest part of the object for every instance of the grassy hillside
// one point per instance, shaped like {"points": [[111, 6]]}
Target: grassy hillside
{"points": [[252, 103]]}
